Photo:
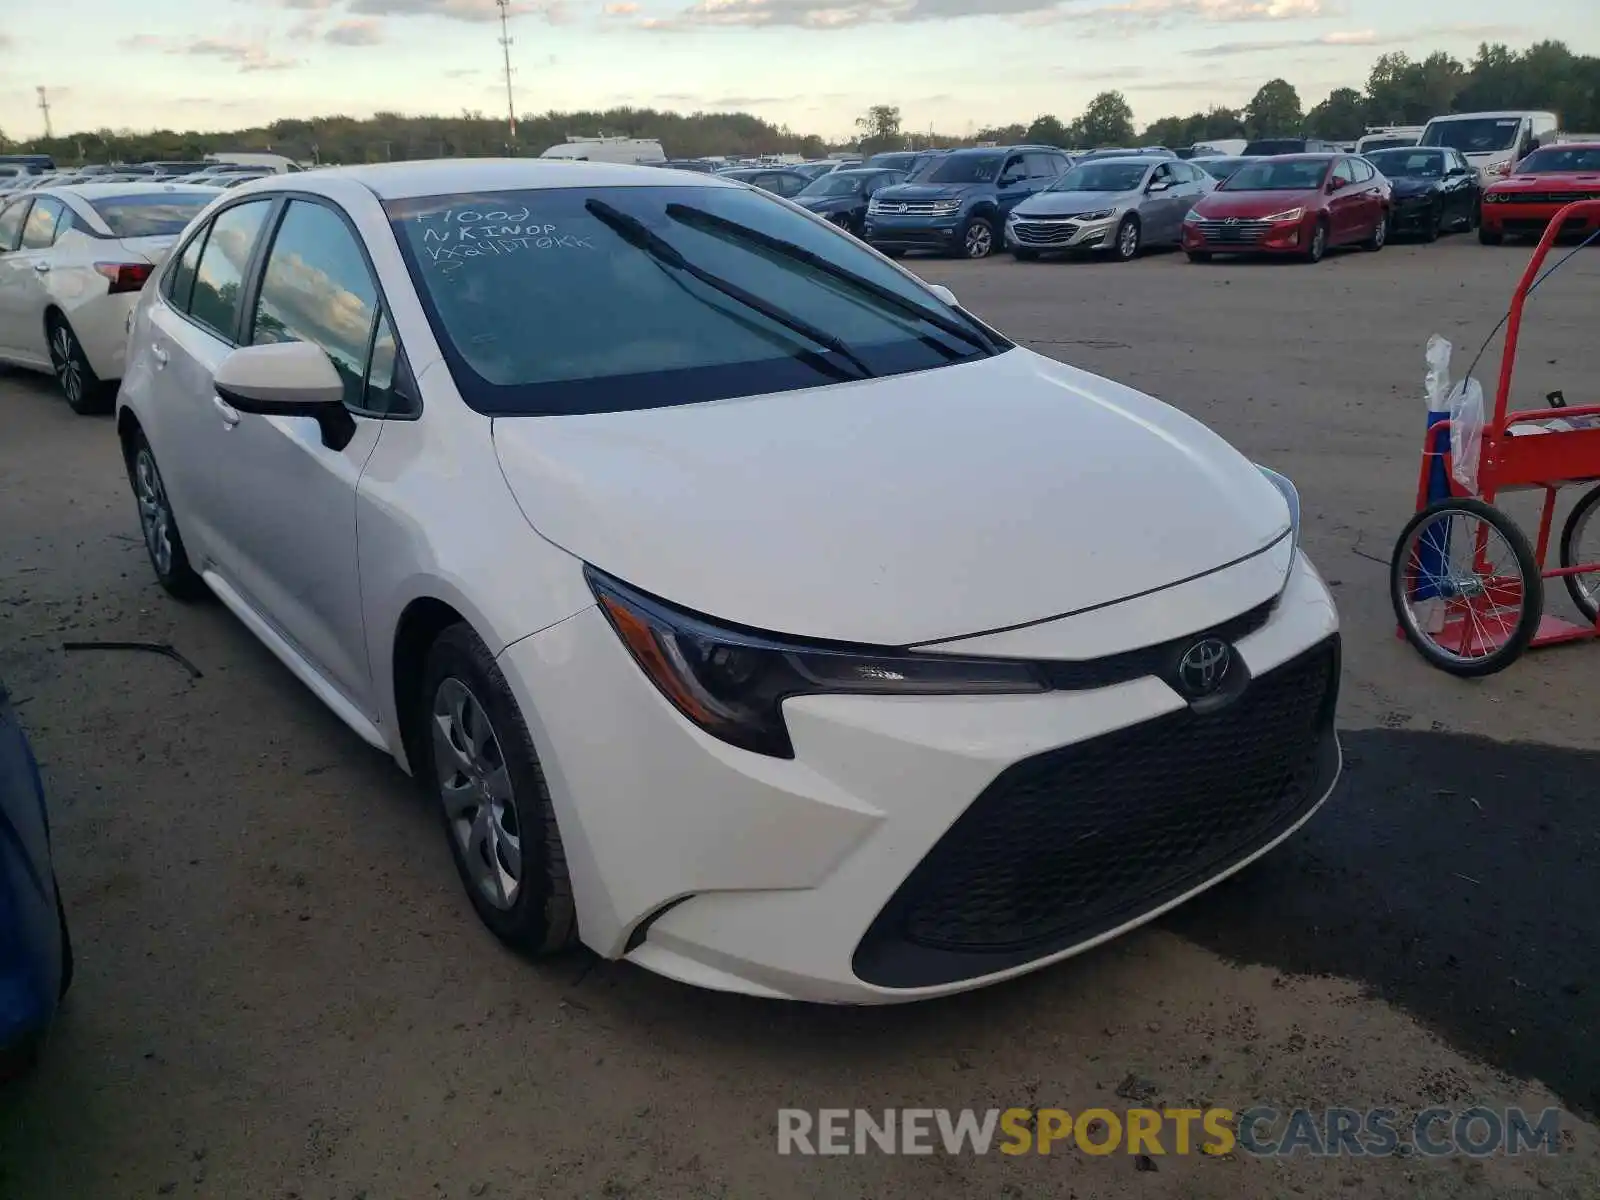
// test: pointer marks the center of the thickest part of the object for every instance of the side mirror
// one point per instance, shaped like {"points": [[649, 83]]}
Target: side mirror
{"points": [[944, 293], [1335, 184], [287, 379]]}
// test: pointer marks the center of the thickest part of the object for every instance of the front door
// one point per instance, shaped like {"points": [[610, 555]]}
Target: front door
{"points": [[1345, 204], [16, 280], [289, 504]]}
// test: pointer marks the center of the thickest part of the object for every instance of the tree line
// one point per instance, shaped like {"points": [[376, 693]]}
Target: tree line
{"points": [[1398, 91]]}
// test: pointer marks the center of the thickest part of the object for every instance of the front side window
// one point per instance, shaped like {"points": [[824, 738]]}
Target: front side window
{"points": [[316, 288], [967, 168], [40, 230], [219, 276], [512, 281], [1363, 169], [1344, 172], [1102, 177], [11, 219], [1278, 175], [150, 214]]}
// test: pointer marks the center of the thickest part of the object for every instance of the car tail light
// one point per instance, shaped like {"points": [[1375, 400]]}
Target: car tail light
{"points": [[125, 277]]}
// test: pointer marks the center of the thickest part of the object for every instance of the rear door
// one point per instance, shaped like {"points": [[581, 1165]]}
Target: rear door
{"points": [[1015, 185], [12, 217], [25, 294], [1164, 205]]}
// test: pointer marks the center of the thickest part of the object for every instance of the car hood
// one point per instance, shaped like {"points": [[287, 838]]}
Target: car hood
{"points": [[913, 508], [827, 203], [1222, 204], [1066, 204], [1563, 181], [930, 191], [1404, 188]]}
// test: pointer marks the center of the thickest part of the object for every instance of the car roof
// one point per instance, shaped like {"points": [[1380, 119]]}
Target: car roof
{"points": [[443, 176], [1498, 114], [99, 191], [1304, 156], [1131, 160], [1571, 146]]}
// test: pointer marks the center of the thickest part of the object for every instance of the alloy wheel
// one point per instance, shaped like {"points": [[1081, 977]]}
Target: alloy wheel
{"points": [[1319, 242], [155, 513], [980, 240], [1380, 235], [475, 788], [1128, 240], [64, 357]]}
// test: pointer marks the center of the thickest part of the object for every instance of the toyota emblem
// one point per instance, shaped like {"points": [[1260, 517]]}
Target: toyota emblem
{"points": [[1204, 666]]}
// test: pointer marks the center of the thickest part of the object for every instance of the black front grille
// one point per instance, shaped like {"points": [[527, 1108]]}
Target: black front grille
{"points": [[1234, 230], [1045, 232], [1514, 198], [1072, 843]]}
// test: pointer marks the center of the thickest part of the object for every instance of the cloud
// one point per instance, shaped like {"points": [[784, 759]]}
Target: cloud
{"points": [[6, 41], [1158, 14], [844, 14], [307, 5], [462, 72], [626, 9], [358, 32], [141, 41], [1355, 37], [475, 11], [246, 55]]}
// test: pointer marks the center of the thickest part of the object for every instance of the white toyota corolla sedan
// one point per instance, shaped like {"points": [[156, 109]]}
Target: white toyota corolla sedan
{"points": [[72, 262], [754, 612]]}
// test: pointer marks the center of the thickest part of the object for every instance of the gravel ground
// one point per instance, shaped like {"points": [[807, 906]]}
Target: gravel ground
{"points": [[283, 993]]}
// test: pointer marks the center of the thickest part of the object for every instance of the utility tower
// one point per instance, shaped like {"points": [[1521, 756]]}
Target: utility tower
{"points": [[44, 107], [505, 47]]}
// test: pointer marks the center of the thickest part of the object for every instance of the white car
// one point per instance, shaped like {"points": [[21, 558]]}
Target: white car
{"points": [[72, 262], [753, 612]]}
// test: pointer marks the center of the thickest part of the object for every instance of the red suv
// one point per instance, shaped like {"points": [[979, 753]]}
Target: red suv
{"points": [[1298, 204], [1538, 188]]}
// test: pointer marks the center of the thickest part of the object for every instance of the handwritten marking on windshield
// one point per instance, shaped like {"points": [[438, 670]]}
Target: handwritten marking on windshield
{"points": [[452, 237]]}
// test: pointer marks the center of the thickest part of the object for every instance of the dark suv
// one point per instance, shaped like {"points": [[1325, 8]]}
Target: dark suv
{"points": [[958, 205]]}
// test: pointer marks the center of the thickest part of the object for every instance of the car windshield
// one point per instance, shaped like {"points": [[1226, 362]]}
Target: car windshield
{"points": [[1101, 177], [1278, 175], [1219, 168], [1478, 135], [836, 184], [1559, 159], [1367, 147], [1275, 146], [1409, 164], [150, 214], [967, 168], [510, 281]]}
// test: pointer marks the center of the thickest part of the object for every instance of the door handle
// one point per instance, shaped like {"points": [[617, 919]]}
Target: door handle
{"points": [[160, 355], [42, 267], [230, 415]]}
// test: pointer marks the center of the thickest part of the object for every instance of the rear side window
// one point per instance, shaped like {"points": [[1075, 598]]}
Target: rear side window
{"points": [[150, 214], [11, 224], [316, 288], [219, 278], [39, 231]]}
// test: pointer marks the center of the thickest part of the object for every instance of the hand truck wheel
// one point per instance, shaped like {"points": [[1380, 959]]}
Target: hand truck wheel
{"points": [[1584, 589], [1465, 587]]}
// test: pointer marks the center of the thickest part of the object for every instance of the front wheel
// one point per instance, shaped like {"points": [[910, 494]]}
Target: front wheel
{"points": [[493, 802], [162, 541], [1128, 239], [85, 392], [1465, 587], [1319, 243], [1584, 589], [977, 239], [1433, 224]]}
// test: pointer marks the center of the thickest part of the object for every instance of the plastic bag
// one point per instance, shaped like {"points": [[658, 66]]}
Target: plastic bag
{"points": [[1466, 433], [1437, 380]]}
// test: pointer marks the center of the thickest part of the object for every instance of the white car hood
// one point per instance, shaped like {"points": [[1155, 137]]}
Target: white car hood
{"points": [[908, 509]]}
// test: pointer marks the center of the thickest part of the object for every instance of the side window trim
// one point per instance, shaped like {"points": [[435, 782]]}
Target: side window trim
{"points": [[252, 297]]}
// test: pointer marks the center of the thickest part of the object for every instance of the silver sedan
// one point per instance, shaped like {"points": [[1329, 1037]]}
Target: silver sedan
{"points": [[1119, 205]]}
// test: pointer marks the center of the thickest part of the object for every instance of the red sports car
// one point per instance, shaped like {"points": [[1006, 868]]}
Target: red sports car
{"points": [[1297, 204], [1539, 187]]}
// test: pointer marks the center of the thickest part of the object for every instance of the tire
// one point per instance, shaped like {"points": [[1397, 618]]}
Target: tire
{"points": [[1380, 235], [85, 393], [480, 758], [1199, 256], [68, 964], [1488, 238], [1532, 590], [1319, 243], [1129, 239], [1584, 589], [977, 239], [162, 541], [1433, 226], [1025, 255]]}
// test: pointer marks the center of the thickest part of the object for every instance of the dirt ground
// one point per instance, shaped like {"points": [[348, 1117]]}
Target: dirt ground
{"points": [[282, 991]]}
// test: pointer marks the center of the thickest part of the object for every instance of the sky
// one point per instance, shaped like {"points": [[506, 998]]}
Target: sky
{"points": [[815, 65]]}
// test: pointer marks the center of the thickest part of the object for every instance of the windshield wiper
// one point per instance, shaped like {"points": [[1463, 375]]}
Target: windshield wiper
{"points": [[639, 235], [710, 222]]}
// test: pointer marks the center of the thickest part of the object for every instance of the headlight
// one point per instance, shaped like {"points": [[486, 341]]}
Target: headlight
{"points": [[732, 682], [1288, 214], [946, 206], [1496, 198], [1098, 215], [1291, 497], [1193, 215]]}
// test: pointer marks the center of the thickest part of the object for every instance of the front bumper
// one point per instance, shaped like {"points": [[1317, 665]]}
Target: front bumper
{"points": [[919, 846], [1247, 236], [941, 233], [1413, 215], [1531, 220], [1044, 234]]}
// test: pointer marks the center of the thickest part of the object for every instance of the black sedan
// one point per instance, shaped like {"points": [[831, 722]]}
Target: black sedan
{"points": [[777, 180], [1435, 189], [842, 196]]}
